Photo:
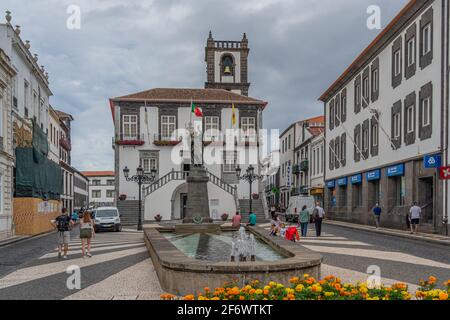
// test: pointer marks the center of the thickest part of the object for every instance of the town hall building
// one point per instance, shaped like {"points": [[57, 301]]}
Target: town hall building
{"points": [[150, 130]]}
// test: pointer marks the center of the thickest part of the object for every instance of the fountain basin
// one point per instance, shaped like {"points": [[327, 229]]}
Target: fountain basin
{"points": [[181, 275]]}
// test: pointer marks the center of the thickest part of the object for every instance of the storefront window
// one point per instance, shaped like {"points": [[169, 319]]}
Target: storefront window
{"points": [[357, 195]]}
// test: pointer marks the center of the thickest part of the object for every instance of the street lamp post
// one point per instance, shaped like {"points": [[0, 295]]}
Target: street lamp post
{"points": [[140, 178], [250, 176]]}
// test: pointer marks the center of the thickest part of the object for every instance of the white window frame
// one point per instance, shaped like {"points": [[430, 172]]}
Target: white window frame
{"points": [[212, 128], [411, 51], [410, 119], [365, 140], [397, 125], [95, 197], [375, 80], [427, 39], [168, 126], [397, 63], [375, 135], [130, 126], [342, 149], [108, 191], [358, 94], [230, 156], [337, 110], [150, 163], [248, 126], [366, 87], [426, 108]]}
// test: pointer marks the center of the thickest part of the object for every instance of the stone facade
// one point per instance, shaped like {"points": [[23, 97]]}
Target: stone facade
{"points": [[6, 147]]}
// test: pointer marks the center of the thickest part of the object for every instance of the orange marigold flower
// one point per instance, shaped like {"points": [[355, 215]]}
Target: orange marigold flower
{"points": [[266, 292], [432, 280], [443, 296], [189, 297]]}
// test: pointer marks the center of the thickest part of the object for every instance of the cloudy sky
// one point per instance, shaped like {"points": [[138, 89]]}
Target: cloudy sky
{"points": [[298, 48]]}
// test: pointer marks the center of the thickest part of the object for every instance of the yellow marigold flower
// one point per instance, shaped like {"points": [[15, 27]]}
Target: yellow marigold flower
{"points": [[248, 288], [443, 296], [272, 284], [267, 288], [258, 291], [201, 298], [215, 299], [279, 286], [363, 290], [299, 288], [306, 276], [329, 294]]}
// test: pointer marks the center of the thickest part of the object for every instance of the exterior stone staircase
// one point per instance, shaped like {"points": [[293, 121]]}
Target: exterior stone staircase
{"points": [[257, 207], [129, 211]]}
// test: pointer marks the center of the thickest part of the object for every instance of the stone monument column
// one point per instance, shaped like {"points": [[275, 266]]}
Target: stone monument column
{"points": [[197, 205]]}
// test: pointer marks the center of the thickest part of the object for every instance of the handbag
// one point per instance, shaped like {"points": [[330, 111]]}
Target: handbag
{"points": [[86, 233]]}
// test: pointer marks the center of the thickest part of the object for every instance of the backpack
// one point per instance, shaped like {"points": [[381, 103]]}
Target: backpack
{"points": [[62, 223]]}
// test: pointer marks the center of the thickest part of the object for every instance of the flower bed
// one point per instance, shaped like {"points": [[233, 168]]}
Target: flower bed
{"points": [[330, 288]]}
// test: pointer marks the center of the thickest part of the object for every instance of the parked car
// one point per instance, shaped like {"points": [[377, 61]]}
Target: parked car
{"points": [[107, 218], [295, 206]]}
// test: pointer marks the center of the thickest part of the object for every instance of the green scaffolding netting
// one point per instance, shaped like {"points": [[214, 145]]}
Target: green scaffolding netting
{"points": [[37, 176]]}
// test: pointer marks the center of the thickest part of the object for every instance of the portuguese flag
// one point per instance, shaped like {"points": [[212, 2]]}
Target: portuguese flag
{"points": [[196, 110]]}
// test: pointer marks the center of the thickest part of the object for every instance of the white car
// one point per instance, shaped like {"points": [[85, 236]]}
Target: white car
{"points": [[107, 218]]}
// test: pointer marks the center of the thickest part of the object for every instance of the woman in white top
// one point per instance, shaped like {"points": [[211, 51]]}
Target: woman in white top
{"points": [[87, 232]]}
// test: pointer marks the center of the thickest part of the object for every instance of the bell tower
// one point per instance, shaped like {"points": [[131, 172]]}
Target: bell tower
{"points": [[227, 65]]}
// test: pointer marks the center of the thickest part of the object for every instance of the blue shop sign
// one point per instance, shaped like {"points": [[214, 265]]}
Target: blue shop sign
{"points": [[396, 171], [356, 179], [331, 184], [432, 161], [342, 182], [373, 175]]}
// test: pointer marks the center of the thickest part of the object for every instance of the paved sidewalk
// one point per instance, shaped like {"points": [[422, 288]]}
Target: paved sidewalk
{"points": [[432, 238]]}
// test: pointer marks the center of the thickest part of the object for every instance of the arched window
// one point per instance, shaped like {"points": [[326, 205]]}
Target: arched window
{"points": [[227, 65]]}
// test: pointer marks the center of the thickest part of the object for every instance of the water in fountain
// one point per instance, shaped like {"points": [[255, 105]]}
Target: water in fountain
{"points": [[243, 246]]}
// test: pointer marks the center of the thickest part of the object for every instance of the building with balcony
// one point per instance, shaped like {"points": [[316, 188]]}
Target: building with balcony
{"points": [[152, 130], [101, 188], [80, 191], [386, 115], [6, 147]]}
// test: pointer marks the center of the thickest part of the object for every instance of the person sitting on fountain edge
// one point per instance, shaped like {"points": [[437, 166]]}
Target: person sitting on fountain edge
{"points": [[252, 219]]}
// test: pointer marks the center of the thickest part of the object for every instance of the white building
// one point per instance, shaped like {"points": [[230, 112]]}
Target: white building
{"points": [[308, 156], [385, 115], [147, 133], [102, 190], [80, 191], [287, 159], [6, 147]]}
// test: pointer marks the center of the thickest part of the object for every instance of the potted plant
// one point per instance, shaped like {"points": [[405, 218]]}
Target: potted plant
{"points": [[123, 197], [255, 196], [224, 216], [158, 218]]}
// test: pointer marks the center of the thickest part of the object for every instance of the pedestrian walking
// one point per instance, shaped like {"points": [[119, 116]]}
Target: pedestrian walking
{"points": [[304, 221], [236, 220], [319, 215], [62, 224], [377, 215], [87, 232], [272, 211], [75, 217], [414, 217]]}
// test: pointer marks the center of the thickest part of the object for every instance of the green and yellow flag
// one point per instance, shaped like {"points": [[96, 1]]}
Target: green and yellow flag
{"points": [[233, 115]]}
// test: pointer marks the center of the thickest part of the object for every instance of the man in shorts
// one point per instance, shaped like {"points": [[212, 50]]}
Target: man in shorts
{"points": [[63, 223], [414, 217]]}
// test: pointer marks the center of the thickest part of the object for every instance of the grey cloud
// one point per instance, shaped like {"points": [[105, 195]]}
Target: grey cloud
{"points": [[298, 47]]}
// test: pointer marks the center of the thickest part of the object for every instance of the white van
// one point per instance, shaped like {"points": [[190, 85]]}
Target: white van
{"points": [[295, 206]]}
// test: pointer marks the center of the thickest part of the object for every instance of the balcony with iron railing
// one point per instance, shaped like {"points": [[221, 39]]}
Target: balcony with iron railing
{"points": [[304, 165], [164, 140], [296, 169], [65, 143], [303, 190], [129, 140]]}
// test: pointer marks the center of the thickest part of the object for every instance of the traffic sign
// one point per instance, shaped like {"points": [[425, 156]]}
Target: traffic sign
{"points": [[444, 173]]}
